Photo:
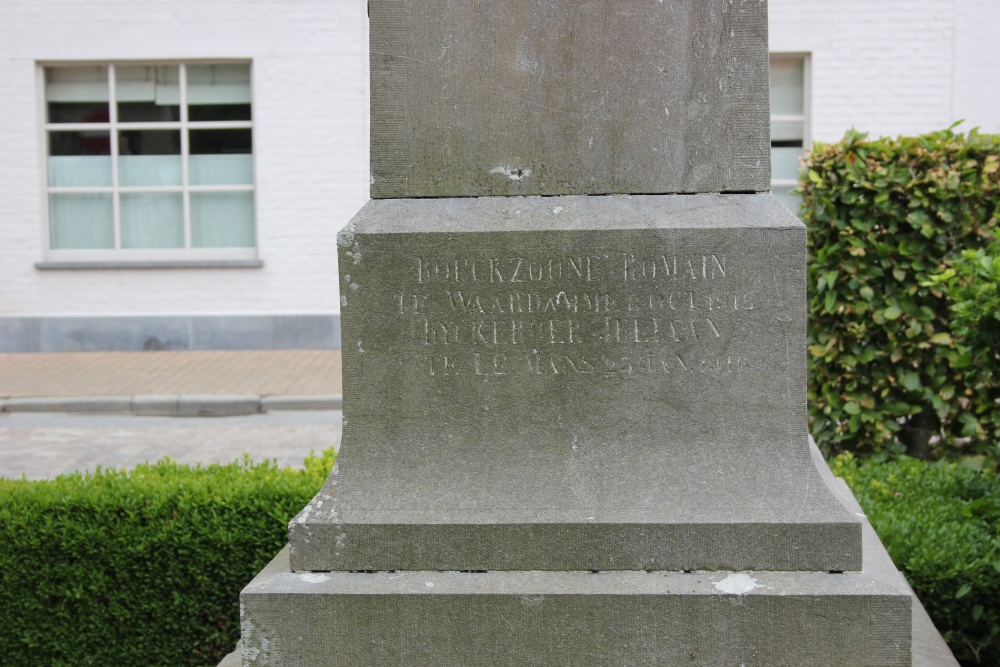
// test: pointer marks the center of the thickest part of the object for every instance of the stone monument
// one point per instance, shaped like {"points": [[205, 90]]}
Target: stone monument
{"points": [[574, 365]]}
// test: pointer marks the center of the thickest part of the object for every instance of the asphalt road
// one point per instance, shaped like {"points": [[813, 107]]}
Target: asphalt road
{"points": [[42, 446]]}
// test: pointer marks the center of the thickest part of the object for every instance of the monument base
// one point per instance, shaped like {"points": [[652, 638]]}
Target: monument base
{"points": [[575, 383], [590, 618]]}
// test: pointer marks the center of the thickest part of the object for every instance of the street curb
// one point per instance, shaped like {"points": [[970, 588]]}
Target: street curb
{"points": [[172, 405], [333, 402]]}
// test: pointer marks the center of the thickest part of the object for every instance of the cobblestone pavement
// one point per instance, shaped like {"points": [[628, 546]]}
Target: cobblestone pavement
{"points": [[45, 445]]}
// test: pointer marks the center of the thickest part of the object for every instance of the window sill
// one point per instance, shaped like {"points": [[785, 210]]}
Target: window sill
{"points": [[152, 264]]}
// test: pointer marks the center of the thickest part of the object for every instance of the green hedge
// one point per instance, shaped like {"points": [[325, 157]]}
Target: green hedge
{"points": [[940, 523], [972, 285], [141, 567], [884, 216]]}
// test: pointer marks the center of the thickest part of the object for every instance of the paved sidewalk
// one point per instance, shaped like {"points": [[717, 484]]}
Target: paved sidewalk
{"points": [[41, 446], [175, 383]]}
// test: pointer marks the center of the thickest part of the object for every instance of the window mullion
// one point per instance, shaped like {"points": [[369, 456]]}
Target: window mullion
{"points": [[77, 127], [788, 117], [150, 126], [80, 189], [185, 150], [236, 187], [113, 136], [221, 124]]}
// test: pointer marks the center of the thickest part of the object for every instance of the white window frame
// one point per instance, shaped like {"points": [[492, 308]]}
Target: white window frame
{"points": [[806, 114], [79, 258]]}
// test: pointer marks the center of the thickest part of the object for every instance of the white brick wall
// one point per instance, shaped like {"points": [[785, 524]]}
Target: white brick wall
{"points": [[886, 66], [892, 67], [310, 80]]}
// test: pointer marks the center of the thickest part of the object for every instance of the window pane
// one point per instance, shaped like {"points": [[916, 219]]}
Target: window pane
{"points": [[785, 163], [787, 130], [785, 196], [221, 170], [149, 93], [221, 157], [77, 94], [214, 142], [149, 157], [81, 221], [222, 220], [79, 158], [88, 142], [787, 86], [85, 170], [218, 92], [152, 220]]}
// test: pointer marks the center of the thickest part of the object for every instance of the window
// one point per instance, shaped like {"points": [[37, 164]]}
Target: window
{"points": [[149, 162], [789, 125]]}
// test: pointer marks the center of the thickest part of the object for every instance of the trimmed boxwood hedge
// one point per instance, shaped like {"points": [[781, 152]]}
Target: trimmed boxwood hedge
{"points": [[940, 522], [145, 567], [141, 567]]}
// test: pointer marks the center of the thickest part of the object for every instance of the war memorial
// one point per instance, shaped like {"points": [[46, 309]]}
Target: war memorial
{"points": [[574, 326]]}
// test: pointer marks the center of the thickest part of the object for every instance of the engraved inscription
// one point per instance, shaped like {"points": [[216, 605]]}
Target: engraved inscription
{"points": [[628, 314], [491, 269]]}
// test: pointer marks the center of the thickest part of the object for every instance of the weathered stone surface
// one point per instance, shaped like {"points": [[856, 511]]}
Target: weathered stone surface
{"points": [[477, 97], [582, 618], [574, 618], [575, 383]]}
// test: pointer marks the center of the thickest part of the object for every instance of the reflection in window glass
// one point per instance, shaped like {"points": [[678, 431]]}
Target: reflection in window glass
{"points": [[221, 169], [208, 142], [222, 220], [787, 130], [81, 222], [152, 220], [785, 163], [79, 158], [218, 92], [221, 157], [787, 84], [148, 93], [77, 94], [787, 197], [788, 125], [149, 157]]}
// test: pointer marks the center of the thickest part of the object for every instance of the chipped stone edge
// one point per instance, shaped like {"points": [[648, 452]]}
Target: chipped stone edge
{"points": [[234, 659]]}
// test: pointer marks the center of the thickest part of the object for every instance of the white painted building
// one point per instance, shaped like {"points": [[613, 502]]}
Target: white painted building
{"points": [[176, 171]]}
